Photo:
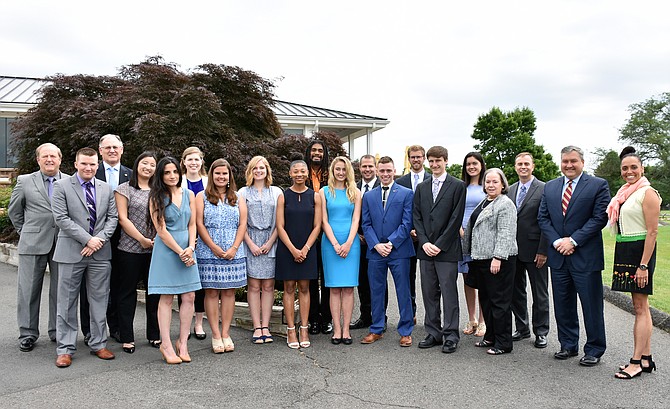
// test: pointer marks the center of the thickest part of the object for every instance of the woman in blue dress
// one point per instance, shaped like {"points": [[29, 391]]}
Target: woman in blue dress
{"points": [[222, 222], [173, 267], [340, 245]]}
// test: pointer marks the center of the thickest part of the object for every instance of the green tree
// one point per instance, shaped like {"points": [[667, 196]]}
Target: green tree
{"points": [[502, 135], [609, 168], [648, 128]]}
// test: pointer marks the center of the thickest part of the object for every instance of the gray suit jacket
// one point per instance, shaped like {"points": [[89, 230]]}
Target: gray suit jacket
{"points": [[529, 237], [494, 231], [68, 204], [30, 213]]}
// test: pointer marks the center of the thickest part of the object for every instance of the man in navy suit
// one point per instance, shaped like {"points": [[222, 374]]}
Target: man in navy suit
{"points": [[387, 221], [572, 216]]}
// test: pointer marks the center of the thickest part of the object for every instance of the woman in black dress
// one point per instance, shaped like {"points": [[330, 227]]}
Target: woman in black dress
{"points": [[634, 213], [298, 227]]}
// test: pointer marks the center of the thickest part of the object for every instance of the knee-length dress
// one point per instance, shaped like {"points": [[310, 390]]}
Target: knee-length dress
{"points": [[298, 223], [221, 221], [261, 222], [167, 273], [338, 271]]}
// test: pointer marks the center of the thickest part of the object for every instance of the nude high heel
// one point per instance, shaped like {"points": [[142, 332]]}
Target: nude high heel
{"points": [[185, 357], [169, 360]]}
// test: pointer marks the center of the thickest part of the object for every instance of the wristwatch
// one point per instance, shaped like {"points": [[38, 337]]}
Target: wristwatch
{"points": [[643, 267]]}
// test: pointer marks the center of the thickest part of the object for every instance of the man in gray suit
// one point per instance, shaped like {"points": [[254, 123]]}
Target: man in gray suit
{"points": [[527, 195], [85, 211], [30, 213]]}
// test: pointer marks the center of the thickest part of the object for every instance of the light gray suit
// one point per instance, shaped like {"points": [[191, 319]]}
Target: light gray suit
{"points": [[71, 215], [30, 213]]}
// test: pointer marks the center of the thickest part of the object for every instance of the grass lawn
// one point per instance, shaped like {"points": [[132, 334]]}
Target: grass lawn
{"points": [[661, 297]]}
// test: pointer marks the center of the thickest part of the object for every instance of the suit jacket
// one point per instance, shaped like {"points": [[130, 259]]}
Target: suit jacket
{"points": [[529, 237], [584, 220], [70, 212], [493, 234], [393, 223], [439, 222], [406, 180], [124, 173], [30, 213]]}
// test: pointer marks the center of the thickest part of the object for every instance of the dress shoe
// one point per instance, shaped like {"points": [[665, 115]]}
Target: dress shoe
{"points": [[358, 324], [103, 353], [518, 336], [327, 328], [541, 341], [347, 341], [336, 341], [406, 341], [27, 344], [129, 347], [588, 360], [449, 346], [64, 360], [87, 338], [314, 328], [199, 335], [371, 337], [565, 354], [429, 342]]}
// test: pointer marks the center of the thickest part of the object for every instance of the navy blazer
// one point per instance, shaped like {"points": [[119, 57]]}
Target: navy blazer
{"points": [[393, 223], [584, 220]]}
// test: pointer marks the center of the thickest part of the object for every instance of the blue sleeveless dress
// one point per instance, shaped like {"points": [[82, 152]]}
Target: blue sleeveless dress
{"points": [[167, 273], [338, 271]]}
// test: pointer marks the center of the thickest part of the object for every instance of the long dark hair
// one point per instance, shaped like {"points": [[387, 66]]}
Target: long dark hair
{"points": [[211, 192], [464, 173], [133, 178], [159, 191], [325, 162]]}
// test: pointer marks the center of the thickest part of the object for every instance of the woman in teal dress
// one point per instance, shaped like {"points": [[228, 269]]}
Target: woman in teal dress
{"points": [[341, 248], [173, 267]]}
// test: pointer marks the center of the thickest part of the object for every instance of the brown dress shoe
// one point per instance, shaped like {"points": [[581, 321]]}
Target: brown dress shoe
{"points": [[103, 353], [371, 337], [406, 341], [64, 360]]}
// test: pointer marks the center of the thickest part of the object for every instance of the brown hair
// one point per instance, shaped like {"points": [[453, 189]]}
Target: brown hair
{"points": [[211, 192]]}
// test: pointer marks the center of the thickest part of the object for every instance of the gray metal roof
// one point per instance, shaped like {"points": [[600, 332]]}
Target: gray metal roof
{"points": [[21, 90]]}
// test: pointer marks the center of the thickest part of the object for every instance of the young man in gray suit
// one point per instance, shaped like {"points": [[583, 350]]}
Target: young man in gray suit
{"points": [[85, 211], [532, 258], [30, 213]]}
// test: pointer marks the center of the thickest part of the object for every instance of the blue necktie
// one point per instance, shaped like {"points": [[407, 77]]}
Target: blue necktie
{"points": [[111, 179], [521, 196], [90, 203], [50, 191], [416, 181]]}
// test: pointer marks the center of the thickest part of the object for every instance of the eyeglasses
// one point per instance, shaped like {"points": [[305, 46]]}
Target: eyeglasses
{"points": [[109, 148]]}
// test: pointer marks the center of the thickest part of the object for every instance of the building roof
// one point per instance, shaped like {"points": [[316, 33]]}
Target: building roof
{"points": [[292, 109], [20, 90]]}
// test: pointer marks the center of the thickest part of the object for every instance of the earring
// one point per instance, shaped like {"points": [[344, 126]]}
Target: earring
{"points": [[228, 185]]}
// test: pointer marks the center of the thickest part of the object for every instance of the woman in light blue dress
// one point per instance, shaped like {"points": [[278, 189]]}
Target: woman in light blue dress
{"points": [[173, 267], [222, 222], [340, 245]]}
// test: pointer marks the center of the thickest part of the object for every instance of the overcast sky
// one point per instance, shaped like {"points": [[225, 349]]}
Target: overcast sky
{"points": [[429, 67]]}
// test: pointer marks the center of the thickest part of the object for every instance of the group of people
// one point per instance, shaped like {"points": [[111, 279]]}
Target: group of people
{"points": [[190, 232]]}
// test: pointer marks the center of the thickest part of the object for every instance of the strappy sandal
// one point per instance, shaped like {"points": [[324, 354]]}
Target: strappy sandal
{"points": [[483, 344], [470, 328], [260, 339], [267, 338], [217, 346], [496, 351], [292, 345], [625, 375], [156, 343], [305, 344], [648, 369], [481, 330]]}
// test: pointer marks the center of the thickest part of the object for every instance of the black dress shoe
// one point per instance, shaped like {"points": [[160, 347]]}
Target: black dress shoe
{"points": [[541, 341], [347, 341], [199, 335], [358, 324], [565, 354], [428, 342], [588, 360], [87, 338], [518, 336], [27, 344], [336, 341], [314, 328], [449, 346], [327, 328]]}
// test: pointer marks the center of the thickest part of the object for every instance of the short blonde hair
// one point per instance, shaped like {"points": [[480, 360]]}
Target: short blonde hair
{"points": [[249, 173], [189, 151]]}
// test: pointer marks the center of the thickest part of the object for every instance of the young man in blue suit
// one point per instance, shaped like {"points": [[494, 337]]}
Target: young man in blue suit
{"points": [[387, 221], [572, 216]]}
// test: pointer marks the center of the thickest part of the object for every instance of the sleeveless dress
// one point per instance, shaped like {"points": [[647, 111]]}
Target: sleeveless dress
{"points": [[221, 222], [261, 222], [298, 223], [167, 273], [338, 271]]}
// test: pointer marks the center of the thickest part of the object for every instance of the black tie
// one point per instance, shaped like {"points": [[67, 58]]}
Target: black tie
{"points": [[367, 187], [90, 203], [385, 190]]}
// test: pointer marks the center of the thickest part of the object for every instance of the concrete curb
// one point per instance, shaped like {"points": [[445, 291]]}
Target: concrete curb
{"points": [[659, 318]]}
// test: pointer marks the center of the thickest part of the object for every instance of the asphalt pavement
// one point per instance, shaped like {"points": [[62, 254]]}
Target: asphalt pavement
{"points": [[326, 376]]}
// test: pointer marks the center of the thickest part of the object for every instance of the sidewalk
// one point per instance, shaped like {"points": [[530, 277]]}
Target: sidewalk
{"points": [[358, 376]]}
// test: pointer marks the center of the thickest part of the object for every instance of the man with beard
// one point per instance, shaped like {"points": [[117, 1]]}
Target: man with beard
{"points": [[316, 156]]}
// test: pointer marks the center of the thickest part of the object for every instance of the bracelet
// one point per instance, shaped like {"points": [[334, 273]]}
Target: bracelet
{"points": [[192, 248], [235, 247], [308, 247]]}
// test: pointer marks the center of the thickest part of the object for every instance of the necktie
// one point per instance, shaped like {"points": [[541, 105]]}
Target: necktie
{"points": [[90, 203], [566, 197], [50, 190], [385, 190], [416, 181], [367, 187], [436, 188], [521, 195], [111, 179]]}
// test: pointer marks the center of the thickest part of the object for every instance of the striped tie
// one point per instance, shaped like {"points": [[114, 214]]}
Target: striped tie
{"points": [[90, 203], [566, 196]]}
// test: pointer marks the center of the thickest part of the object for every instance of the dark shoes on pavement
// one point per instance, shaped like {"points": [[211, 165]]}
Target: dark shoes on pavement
{"points": [[588, 360], [449, 346], [564, 354], [518, 336], [359, 323], [429, 342], [27, 344], [540, 341]]}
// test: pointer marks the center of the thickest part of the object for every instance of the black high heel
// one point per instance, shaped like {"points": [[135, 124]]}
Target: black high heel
{"points": [[625, 375], [129, 349], [652, 364]]}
